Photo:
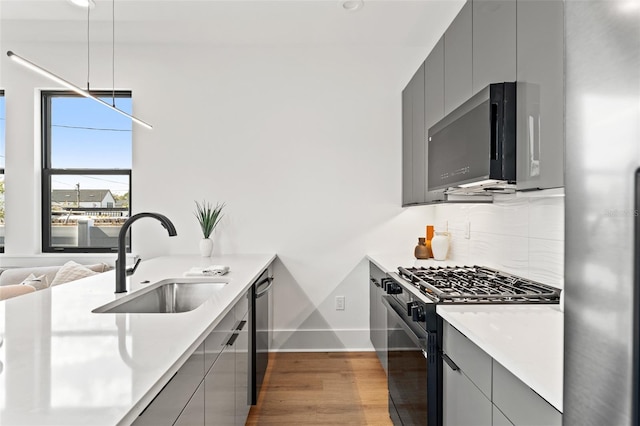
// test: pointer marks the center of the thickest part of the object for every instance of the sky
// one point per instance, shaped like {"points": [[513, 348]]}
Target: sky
{"points": [[86, 134]]}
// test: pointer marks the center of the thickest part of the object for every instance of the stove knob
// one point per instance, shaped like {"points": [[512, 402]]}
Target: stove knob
{"points": [[410, 307], [393, 288], [418, 314], [384, 282]]}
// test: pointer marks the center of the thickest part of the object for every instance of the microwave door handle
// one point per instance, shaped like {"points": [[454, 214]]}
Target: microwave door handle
{"points": [[635, 353], [494, 132]]}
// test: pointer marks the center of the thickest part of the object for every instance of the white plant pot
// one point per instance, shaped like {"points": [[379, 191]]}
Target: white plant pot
{"points": [[206, 247]]}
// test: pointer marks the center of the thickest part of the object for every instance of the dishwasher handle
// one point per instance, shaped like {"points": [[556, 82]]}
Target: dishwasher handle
{"points": [[267, 280]]}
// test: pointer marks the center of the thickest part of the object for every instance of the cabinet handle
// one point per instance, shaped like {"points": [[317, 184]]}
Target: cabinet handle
{"points": [[241, 325], [450, 362], [232, 339], [494, 132]]}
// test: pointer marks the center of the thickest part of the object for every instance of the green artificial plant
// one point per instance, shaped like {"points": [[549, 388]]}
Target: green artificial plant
{"points": [[208, 216]]}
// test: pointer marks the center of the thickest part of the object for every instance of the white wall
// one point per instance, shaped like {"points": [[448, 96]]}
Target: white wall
{"points": [[303, 144]]}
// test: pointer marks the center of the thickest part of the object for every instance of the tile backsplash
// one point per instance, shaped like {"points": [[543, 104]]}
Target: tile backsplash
{"points": [[520, 235]]}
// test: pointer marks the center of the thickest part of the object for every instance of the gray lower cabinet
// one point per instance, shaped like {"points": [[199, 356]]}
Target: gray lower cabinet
{"points": [[458, 59], [242, 359], [494, 42], [377, 314], [193, 413], [226, 384], [500, 419], [172, 399], [464, 404], [212, 386], [540, 94], [219, 384], [466, 381], [519, 403], [477, 390]]}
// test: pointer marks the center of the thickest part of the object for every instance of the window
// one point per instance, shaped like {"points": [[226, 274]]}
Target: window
{"points": [[2, 138], [86, 171]]}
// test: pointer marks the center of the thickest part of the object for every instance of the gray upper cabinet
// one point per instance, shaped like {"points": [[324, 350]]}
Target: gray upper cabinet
{"points": [[540, 97], [434, 85], [494, 42], [458, 59], [413, 141], [433, 105], [407, 147]]}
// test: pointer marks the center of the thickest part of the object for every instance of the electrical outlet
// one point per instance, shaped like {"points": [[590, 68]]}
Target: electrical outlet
{"points": [[339, 303], [467, 230]]}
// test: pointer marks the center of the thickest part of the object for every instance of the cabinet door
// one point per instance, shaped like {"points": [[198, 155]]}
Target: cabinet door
{"points": [[193, 413], [167, 405], [540, 94], [494, 42], [433, 105], [217, 339], [519, 403], [434, 85], [242, 358], [418, 157], [219, 390], [463, 403], [500, 419], [413, 140], [407, 146], [458, 60], [377, 314]]}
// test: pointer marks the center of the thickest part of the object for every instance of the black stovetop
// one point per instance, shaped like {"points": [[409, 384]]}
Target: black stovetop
{"points": [[477, 284]]}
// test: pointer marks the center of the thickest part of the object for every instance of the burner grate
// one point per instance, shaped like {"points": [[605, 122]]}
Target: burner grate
{"points": [[477, 284]]}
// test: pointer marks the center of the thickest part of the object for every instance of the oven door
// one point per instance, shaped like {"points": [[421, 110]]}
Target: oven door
{"points": [[407, 367]]}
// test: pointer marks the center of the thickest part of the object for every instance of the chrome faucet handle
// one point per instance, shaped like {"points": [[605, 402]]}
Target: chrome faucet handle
{"points": [[130, 271]]}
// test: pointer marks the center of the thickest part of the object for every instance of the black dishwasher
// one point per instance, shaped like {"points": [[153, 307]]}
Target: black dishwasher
{"points": [[262, 307]]}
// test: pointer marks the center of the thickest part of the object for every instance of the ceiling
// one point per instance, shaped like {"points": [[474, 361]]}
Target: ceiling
{"points": [[231, 22]]}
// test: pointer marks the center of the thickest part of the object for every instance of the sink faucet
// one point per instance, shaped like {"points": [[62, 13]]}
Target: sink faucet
{"points": [[121, 263]]}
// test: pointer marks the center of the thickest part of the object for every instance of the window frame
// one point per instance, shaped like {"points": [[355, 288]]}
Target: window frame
{"points": [[48, 172], [2, 172]]}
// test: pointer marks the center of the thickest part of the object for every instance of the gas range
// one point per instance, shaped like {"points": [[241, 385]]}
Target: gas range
{"points": [[415, 330], [476, 284]]}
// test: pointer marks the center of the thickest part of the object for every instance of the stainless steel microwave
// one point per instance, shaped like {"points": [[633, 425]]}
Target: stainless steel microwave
{"points": [[474, 146]]}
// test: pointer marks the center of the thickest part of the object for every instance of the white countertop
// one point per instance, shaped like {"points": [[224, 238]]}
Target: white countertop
{"points": [[61, 364], [526, 339]]}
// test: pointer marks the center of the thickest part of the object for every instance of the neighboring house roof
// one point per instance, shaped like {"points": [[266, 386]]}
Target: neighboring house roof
{"points": [[86, 195]]}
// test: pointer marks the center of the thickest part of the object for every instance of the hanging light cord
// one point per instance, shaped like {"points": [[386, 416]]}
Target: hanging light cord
{"points": [[88, 50], [113, 51]]}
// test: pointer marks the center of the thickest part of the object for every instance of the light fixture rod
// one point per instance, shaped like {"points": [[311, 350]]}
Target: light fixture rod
{"points": [[51, 76]]}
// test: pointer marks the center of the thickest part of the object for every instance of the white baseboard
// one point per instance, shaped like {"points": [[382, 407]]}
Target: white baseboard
{"points": [[321, 340]]}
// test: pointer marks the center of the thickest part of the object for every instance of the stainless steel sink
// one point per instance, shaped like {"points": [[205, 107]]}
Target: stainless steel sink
{"points": [[167, 296]]}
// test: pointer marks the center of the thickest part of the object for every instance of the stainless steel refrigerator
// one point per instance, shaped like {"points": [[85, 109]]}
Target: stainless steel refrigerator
{"points": [[602, 226]]}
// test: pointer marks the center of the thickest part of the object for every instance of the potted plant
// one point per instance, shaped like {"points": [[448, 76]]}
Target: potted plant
{"points": [[208, 218]]}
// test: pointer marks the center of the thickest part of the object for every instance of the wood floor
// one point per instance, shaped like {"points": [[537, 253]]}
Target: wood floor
{"points": [[330, 388]]}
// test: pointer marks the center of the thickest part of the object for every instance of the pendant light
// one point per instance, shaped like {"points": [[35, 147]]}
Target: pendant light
{"points": [[82, 92]]}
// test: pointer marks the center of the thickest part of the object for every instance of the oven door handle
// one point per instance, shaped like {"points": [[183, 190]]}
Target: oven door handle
{"points": [[421, 342]]}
